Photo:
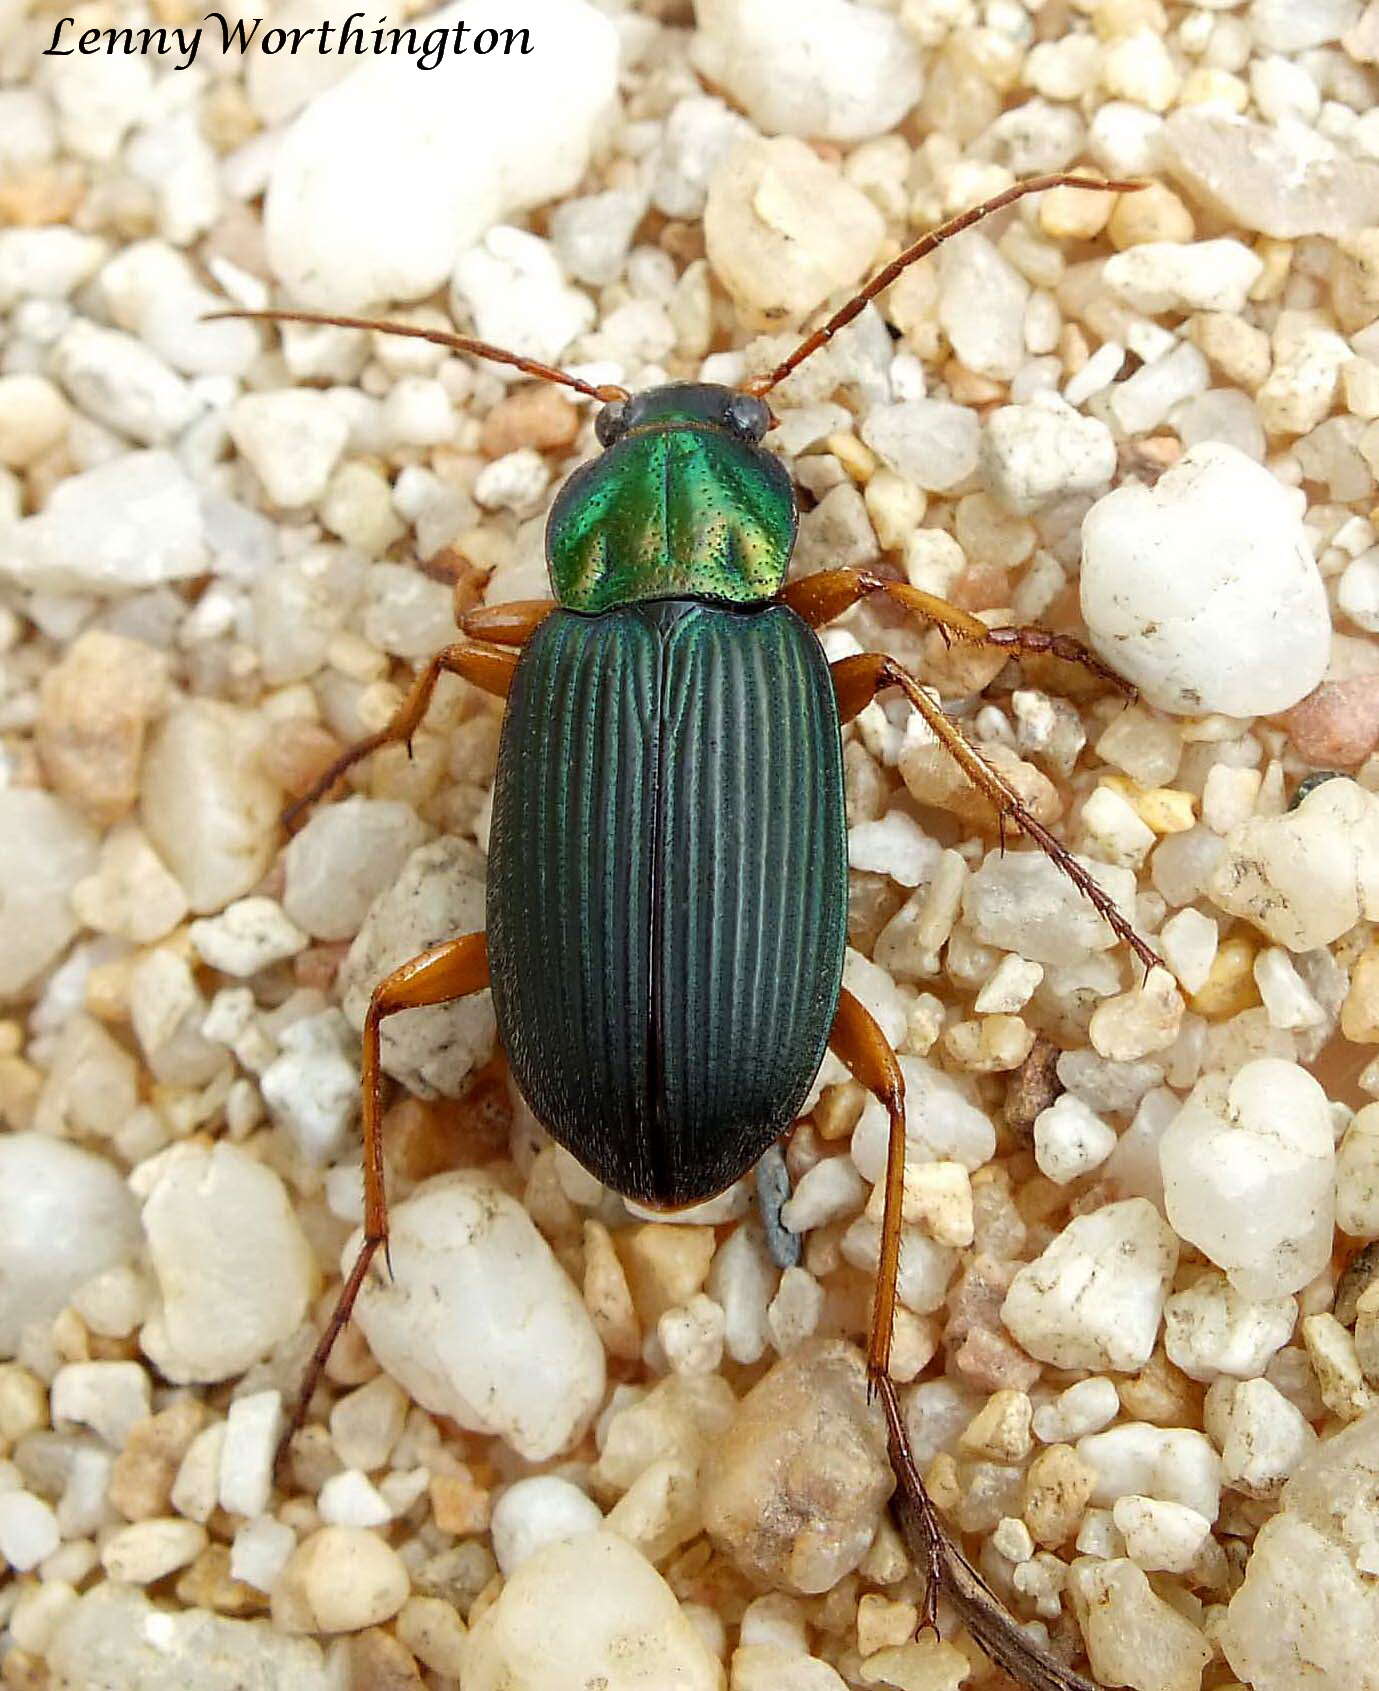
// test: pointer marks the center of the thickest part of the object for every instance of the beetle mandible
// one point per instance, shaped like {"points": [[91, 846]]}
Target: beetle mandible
{"points": [[667, 892]]}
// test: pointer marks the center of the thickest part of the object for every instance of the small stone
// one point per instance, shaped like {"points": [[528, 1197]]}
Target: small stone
{"points": [[1357, 1175], [208, 810], [349, 1500], [526, 125], [438, 894], [1057, 1489], [340, 1579], [827, 70], [434, 1633], [1263, 1439], [1133, 1636], [1137, 1023], [108, 1397], [1023, 902], [245, 1479], [982, 301], [28, 1529], [33, 419], [1176, 1464], [1210, 1330], [222, 1310], [65, 1216], [794, 1489], [293, 438], [150, 1550], [1086, 1407], [930, 442], [618, 1623], [536, 1512], [1285, 181], [480, 1322], [345, 856], [122, 383], [784, 230], [247, 936], [1337, 726], [1188, 941], [1158, 276], [131, 894], [1160, 1537], [1093, 1299], [1000, 1430], [49, 849], [1070, 1140], [1331, 1351], [1248, 1175], [1202, 590], [665, 1266], [142, 1479], [1306, 877], [96, 705], [513, 286]]}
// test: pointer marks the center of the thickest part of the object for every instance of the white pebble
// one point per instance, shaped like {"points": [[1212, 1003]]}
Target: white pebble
{"points": [[1248, 1175], [1175, 1464], [119, 381], [692, 1335], [480, 1322], [246, 1454], [293, 438], [894, 845], [28, 1530], [1210, 1329], [312, 1086], [1070, 1139], [1263, 1438], [1085, 1407], [147, 1551], [247, 936], [349, 1500], [535, 1512], [1160, 1537], [1093, 1299], [259, 1551], [1202, 589], [1157, 276], [340, 1579], [108, 1397], [233, 1266], [1033, 455], [1188, 941], [930, 442]]}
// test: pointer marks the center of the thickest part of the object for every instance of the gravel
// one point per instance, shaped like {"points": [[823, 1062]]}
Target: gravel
{"points": [[565, 1442]]}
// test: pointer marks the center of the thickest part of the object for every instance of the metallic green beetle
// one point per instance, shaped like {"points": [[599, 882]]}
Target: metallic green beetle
{"points": [[667, 894]]}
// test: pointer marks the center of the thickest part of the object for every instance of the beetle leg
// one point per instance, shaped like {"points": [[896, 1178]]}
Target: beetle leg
{"points": [[510, 624], [819, 598], [860, 1043], [454, 969], [857, 680], [485, 666]]}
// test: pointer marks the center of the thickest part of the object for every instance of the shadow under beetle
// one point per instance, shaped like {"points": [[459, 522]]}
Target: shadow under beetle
{"points": [[667, 876]]}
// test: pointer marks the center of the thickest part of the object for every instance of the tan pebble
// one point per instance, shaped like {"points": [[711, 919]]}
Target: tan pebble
{"points": [[883, 1622], [1161, 1394], [607, 1297], [665, 1265], [537, 416], [1000, 1430], [23, 1671], [992, 1361], [341, 1579], [837, 1112], [297, 753], [937, 1197], [1230, 985], [141, 1482], [95, 706], [1236, 348], [1360, 1011], [1154, 214], [942, 1483], [1337, 726], [1209, 85], [1075, 214], [1058, 1488], [854, 455], [460, 1504], [921, 1666], [208, 1584], [23, 1403], [1167, 810], [146, 1551], [434, 1633], [1032, 1088], [1340, 1379], [989, 1045], [379, 1661]]}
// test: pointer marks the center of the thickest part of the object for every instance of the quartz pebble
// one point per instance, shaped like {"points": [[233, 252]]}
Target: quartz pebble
{"points": [[1094, 1298], [1263, 1437], [1023, 902], [96, 705], [526, 123], [1210, 1329], [220, 1310], [794, 1489], [539, 1511], [65, 1216], [588, 1610], [1306, 877], [480, 1322], [208, 809], [247, 936], [292, 438], [438, 894], [344, 857], [1248, 1175], [783, 230], [1202, 590], [825, 70], [1036, 454], [1157, 276], [49, 849], [1133, 1636], [1070, 1139], [340, 1579]]}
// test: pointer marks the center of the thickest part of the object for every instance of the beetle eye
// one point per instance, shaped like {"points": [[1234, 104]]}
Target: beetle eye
{"points": [[748, 416], [609, 423]]}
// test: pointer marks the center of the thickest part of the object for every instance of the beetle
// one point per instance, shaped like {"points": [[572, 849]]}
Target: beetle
{"points": [[667, 887]]}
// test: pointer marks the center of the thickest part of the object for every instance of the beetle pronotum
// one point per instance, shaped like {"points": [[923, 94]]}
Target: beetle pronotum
{"points": [[668, 861]]}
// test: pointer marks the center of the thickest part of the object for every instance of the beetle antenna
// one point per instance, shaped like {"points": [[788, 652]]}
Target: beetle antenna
{"points": [[438, 337], [926, 244]]}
